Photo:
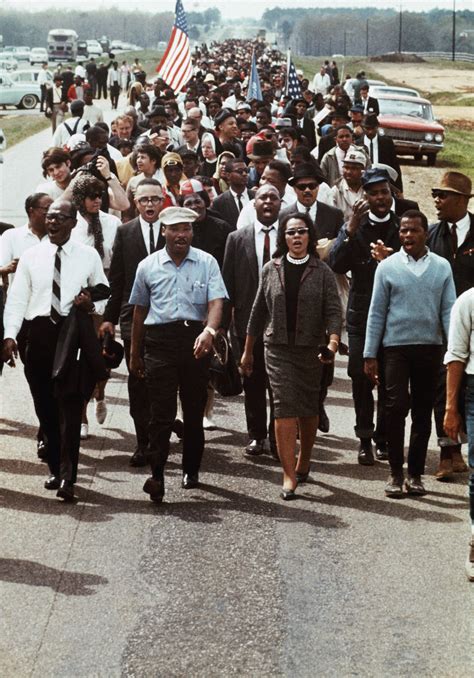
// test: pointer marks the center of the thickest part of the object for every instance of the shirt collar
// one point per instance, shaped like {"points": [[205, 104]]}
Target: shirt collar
{"points": [[164, 256], [463, 223], [409, 258], [236, 195], [146, 224], [378, 220], [260, 227], [302, 208]]}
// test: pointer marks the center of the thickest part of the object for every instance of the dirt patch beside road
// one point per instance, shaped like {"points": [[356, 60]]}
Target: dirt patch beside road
{"points": [[428, 77], [418, 180]]}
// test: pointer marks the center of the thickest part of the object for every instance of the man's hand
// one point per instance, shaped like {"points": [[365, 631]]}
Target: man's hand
{"points": [[246, 363], [103, 166], [452, 424], [360, 209], [83, 301], [107, 328], [10, 268], [10, 352], [371, 369], [379, 251], [202, 345], [137, 366]]}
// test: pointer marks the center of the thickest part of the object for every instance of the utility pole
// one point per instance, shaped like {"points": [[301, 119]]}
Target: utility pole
{"points": [[345, 42], [367, 38], [454, 30], [400, 31]]}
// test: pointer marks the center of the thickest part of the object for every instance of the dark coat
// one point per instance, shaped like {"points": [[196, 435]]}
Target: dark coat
{"points": [[308, 130], [129, 250], [240, 273], [328, 219], [462, 265], [354, 254], [388, 156], [372, 105], [402, 205], [326, 142], [227, 209], [318, 310]]}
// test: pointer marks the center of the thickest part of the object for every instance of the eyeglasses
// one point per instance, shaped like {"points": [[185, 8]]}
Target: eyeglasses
{"points": [[60, 218], [154, 199], [240, 171], [311, 186], [291, 232]]}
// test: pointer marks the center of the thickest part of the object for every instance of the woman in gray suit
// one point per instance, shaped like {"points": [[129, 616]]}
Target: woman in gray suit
{"points": [[297, 306]]}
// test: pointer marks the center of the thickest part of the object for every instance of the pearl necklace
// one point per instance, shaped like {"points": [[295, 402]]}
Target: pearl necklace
{"points": [[298, 262]]}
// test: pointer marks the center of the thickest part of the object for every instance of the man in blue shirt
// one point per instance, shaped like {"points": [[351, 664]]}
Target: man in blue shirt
{"points": [[178, 296]]}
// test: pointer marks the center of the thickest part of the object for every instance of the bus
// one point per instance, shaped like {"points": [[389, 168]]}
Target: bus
{"points": [[62, 44]]}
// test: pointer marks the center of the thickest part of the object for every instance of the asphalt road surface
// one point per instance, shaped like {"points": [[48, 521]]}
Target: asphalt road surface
{"points": [[226, 579]]}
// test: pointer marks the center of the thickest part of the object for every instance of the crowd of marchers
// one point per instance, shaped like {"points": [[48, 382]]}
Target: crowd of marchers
{"points": [[280, 224]]}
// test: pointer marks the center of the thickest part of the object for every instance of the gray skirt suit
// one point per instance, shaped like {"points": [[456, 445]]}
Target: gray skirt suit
{"points": [[292, 363]]}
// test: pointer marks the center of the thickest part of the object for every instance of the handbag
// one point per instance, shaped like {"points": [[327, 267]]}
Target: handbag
{"points": [[224, 373]]}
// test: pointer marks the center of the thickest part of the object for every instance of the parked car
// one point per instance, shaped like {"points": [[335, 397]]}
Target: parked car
{"points": [[93, 48], [18, 53], [389, 89], [38, 55], [19, 94], [7, 62], [28, 76], [410, 122]]}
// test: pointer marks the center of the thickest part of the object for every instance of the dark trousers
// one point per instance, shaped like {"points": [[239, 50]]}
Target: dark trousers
{"points": [[255, 391], [411, 374], [101, 89], [170, 366], [362, 393], [114, 95], [139, 401], [59, 417], [21, 342], [44, 96]]}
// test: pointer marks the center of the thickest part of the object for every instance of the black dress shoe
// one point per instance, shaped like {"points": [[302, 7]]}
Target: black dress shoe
{"points": [[254, 448], [190, 480], [52, 483], [155, 488], [178, 428], [323, 424], [41, 450], [66, 491], [287, 495], [138, 458], [365, 456], [381, 452], [302, 477]]}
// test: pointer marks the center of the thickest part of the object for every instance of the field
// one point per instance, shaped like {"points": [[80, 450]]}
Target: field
{"points": [[19, 127]]}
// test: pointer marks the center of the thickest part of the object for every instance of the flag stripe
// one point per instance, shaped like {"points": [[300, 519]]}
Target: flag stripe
{"points": [[176, 66]]}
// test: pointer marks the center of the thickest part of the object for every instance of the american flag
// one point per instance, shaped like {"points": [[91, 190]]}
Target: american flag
{"points": [[176, 66], [293, 87]]}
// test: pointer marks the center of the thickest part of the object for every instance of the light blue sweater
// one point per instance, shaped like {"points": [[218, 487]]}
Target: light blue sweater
{"points": [[407, 309]]}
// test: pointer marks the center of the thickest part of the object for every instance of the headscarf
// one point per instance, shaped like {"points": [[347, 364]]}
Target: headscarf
{"points": [[82, 186]]}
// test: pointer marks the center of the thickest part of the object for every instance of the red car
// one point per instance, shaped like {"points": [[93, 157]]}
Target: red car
{"points": [[409, 121]]}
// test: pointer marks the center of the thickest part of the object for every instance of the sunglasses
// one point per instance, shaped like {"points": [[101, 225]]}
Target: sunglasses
{"points": [[441, 194], [302, 187], [94, 196], [154, 199], [296, 231]]}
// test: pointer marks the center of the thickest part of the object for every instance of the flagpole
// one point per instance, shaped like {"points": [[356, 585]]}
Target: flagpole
{"points": [[288, 62]]}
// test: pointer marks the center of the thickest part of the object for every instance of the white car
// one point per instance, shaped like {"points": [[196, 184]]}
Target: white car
{"points": [[19, 53], [94, 48], [7, 62], [28, 76], [389, 89], [38, 55], [19, 94]]}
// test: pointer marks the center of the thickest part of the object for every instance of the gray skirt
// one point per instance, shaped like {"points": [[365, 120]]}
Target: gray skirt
{"points": [[294, 373]]}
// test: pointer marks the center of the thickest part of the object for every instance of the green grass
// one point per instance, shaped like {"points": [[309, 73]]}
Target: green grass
{"points": [[19, 127], [448, 99], [458, 151]]}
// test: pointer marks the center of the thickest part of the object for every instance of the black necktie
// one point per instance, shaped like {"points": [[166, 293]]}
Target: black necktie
{"points": [[371, 150], [56, 295], [454, 239], [266, 245], [239, 200], [152, 239]]}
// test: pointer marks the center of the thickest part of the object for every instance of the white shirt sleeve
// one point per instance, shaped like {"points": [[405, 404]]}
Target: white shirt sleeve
{"points": [[17, 301]]}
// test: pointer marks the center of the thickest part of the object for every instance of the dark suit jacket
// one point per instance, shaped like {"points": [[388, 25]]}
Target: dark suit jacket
{"points": [[402, 205], [240, 273], [328, 219], [227, 209], [462, 265], [325, 144], [388, 156], [129, 250], [372, 105], [309, 131]]}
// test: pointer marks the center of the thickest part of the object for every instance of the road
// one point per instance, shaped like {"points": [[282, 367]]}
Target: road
{"points": [[226, 579]]}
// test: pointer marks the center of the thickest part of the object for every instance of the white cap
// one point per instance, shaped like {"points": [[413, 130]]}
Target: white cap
{"points": [[177, 215]]}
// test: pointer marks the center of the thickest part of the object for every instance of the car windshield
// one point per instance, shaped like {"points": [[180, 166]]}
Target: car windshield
{"points": [[410, 108]]}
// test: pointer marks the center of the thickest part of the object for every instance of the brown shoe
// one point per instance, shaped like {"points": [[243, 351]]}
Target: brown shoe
{"points": [[459, 465], [445, 470]]}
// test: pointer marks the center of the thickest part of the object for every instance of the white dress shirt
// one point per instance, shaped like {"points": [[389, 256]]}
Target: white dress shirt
{"points": [[244, 198], [32, 289], [44, 76], [375, 142], [462, 228], [14, 242], [416, 266], [109, 225], [248, 215], [145, 226], [260, 241]]}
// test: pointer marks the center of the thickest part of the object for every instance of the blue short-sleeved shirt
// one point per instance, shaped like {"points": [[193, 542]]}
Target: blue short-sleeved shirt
{"points": [[177, 293]]}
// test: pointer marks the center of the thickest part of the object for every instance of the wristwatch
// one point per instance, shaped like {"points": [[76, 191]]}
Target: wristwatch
{"points": [[211, 330]]}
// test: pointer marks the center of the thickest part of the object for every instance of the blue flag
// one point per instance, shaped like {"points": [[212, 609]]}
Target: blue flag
{"points": [[254, 91]]}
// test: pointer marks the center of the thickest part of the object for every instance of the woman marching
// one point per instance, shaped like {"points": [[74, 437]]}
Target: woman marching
{"points": [[296, 308]]}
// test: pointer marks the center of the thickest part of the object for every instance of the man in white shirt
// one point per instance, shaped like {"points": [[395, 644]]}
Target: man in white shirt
{"points": [[247, 251], [44, 79], [74, 125], [50, 279], [92, 114], [321, 82]]}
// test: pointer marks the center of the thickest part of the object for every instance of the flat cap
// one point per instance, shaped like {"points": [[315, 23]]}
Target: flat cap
{"points": [[177, 215], [374, 175]]}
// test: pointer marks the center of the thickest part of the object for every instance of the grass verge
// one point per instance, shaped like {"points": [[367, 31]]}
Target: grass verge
{"points": [[458, 151], [18, 127]]}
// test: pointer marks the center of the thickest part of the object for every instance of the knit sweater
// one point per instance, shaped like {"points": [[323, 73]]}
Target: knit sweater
{"points": [[407, 309]]}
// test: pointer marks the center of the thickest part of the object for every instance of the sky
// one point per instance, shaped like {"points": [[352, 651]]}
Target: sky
{"points": [[241, 8]]}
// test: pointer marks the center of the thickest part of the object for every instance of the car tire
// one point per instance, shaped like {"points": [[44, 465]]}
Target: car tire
{"points": [[29, 101], [431, 159], [418, 157]]}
